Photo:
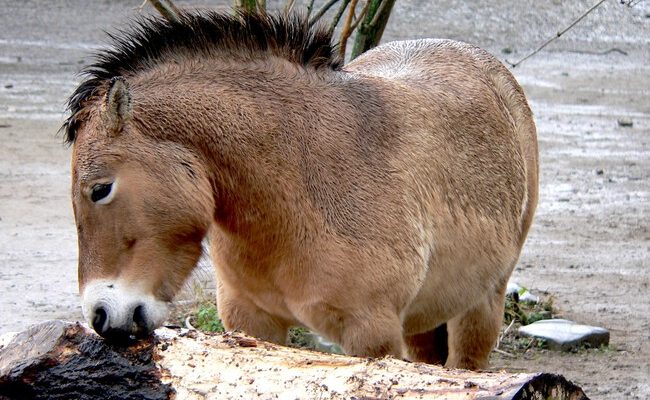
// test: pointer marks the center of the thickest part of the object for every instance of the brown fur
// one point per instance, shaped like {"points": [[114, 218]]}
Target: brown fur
{"points": [[371, 204]]}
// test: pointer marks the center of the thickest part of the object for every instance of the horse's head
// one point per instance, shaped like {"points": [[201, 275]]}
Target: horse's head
{"points": [[142, 205]]}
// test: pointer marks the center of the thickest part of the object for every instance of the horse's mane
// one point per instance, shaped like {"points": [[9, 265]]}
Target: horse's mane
{"points": [[149, 41]]}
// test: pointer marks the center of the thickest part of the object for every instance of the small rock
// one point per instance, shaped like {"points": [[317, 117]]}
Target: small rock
{"points": [[528, 297], [625, 123], [561, 334], [599, 172], [522, 292], [512, 288]]}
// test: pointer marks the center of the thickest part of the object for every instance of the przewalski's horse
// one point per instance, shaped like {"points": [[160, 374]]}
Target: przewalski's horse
{"points": [[373, 202]]}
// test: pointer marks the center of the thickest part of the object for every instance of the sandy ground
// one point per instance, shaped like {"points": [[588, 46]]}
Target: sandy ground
{"points": [[590, 244]]}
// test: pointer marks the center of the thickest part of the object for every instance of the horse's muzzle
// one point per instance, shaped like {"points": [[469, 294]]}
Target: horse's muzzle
{"points": [[120, 312], [138, 328]]}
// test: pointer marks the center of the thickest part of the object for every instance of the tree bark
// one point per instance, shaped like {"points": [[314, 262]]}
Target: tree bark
{"points": [[247, 5], [57, 360], [372, 28], [167, 9]]}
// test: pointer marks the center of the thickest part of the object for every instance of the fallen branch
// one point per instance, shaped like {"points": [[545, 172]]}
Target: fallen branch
{"points": [[505, 332], [505, 353], [557, 35], [600, 53], [65, 360]]}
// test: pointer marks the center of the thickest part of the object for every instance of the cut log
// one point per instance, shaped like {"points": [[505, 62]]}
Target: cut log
{"points": [[61, 360]]}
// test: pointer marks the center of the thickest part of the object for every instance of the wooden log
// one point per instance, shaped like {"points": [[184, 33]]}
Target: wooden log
{"points": [[61, 360]]}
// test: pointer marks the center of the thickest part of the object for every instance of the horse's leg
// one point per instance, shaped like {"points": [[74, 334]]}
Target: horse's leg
{"points": [[472, 335], [428, 347], [376, 334], [239, 313]]}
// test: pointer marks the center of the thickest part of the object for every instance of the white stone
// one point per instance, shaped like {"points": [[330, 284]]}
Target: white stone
{"points": [[528, 297], [522, 292], [512, 288], [561, 334]]}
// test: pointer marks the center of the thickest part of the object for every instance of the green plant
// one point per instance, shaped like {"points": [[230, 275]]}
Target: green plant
{"points": [[207, 318], [526, 313], [300, 337]]}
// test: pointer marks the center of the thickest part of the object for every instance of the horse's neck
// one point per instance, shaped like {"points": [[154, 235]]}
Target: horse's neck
{"points": [[250, 126]]}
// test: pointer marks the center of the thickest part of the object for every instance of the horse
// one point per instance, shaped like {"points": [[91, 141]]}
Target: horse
{"points": [[383, 203]]}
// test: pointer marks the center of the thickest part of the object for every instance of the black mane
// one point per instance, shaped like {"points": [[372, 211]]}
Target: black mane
{"points": [[150, 40]]}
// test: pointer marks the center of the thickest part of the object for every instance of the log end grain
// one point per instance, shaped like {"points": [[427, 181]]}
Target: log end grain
{"points": [[62, 360]]}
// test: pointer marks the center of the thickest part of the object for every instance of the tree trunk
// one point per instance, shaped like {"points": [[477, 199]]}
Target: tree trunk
{"points": [[371, 29], [247, 5], [167, 9], [57, 360]]}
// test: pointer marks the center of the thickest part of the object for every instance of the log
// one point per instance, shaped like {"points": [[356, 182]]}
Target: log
{"points": [[63, 360]]}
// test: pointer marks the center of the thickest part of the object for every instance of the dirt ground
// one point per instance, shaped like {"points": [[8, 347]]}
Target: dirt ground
{"points": [[590, 244]]}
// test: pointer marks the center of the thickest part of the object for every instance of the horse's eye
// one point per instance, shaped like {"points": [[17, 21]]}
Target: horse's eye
{"points": [[101, 193]]}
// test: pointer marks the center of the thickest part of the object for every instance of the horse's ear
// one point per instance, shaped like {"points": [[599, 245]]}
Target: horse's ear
{"points": [[117, 106]]}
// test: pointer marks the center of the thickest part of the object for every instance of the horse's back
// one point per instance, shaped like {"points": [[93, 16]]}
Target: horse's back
{"points": [[470, 106]]}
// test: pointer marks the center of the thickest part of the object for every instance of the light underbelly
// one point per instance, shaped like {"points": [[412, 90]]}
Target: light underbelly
{"points": [[455, 282]]}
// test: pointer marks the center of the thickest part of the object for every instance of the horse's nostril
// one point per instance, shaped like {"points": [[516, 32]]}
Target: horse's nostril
{"points": [[139, 318], [99, 320]]}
